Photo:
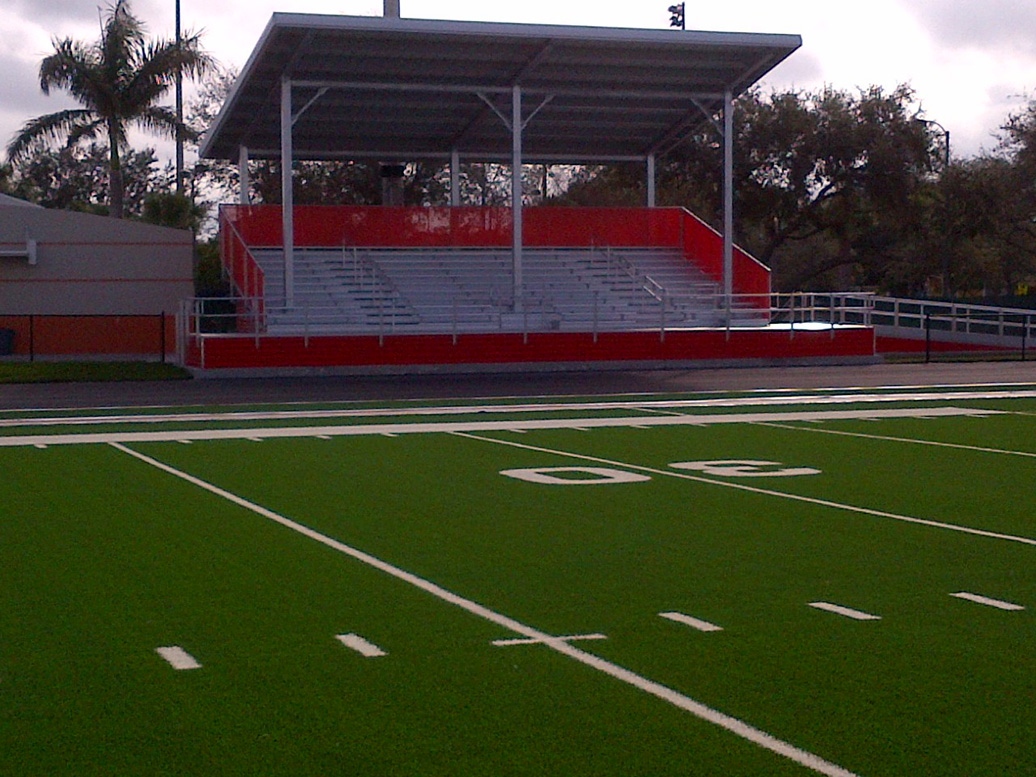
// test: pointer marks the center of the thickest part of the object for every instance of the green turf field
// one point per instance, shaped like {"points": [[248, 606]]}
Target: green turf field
{"points": [[777, 583]]}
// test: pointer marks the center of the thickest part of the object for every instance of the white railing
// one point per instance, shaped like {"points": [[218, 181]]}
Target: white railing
{"points": [[252, 317], [952, 322]]}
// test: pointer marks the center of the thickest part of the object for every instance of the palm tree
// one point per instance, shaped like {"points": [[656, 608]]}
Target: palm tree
{"points": [[118, 80]]}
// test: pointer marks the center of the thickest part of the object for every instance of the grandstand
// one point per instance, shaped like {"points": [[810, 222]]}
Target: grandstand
{"points": [[498, 287]]}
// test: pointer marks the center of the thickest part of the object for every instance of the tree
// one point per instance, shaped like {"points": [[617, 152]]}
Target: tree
{"points": [[118, 80], [824, 181], [76, 178]]}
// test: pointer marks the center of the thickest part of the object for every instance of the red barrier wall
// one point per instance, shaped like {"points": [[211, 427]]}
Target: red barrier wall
{"points": [[387, 227], [223, 352]]}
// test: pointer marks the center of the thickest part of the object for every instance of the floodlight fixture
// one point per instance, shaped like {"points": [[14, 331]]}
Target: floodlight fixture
{"points": [[676, 16]]}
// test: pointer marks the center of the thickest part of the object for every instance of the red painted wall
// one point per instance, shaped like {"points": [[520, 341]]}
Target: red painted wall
{"points": [[386, 227], [221, 351]]}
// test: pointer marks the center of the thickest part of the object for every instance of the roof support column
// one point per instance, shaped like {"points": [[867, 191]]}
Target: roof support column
{"points": [[728, 201], [243, 182], [651, 180], [287, 194], [516, 192], [455, 178]]}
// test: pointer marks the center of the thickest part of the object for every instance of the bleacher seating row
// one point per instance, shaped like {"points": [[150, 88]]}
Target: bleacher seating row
{"points": [[432, 290]]}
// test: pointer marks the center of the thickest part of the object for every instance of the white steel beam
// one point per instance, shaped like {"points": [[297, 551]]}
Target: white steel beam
{"points": [[728, 201], [287, 194], [516, 192], [243, 182], [455, 178], [651, 180]]}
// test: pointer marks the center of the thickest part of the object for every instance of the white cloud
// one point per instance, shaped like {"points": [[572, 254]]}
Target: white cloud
{"points": [[969, 62]]}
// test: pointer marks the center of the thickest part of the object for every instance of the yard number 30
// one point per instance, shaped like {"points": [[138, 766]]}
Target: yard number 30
{"points": [[595, 476]]}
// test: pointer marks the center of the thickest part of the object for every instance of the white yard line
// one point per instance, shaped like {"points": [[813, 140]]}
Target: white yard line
{"points": [[687, 620], [502, 425], [675, 698], [923, 394], [890, 438], [361, 646], [978, 599], [847, 612], [528, 641], [758, 490], [178, 658]]}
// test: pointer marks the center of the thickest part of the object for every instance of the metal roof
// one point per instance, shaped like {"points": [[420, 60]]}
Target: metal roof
{"points": [[407, 89]]}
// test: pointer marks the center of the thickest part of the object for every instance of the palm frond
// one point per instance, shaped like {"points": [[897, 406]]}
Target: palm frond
{"points": [[51, 127]]}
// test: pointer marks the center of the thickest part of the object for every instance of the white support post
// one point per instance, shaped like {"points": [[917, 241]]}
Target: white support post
{"points": [[243, 180], [287, 195], [651, 181], [516, 192], [455, 178], [728, 200]]}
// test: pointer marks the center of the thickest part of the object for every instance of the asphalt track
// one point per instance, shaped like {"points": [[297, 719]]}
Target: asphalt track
{"points": [[233, 391]]}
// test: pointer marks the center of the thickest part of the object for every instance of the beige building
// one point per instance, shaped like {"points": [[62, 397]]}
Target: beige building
{"points": [[56, 262]]}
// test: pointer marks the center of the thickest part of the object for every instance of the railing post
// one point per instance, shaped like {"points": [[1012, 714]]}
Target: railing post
{"points": [[1025, 333], [595, 315], [927, 334], [32, 337], [161, 334], [661, 323], [455, 319]]}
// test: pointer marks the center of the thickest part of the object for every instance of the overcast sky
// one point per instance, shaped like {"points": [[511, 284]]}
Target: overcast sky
{"points": [[971, 62]]}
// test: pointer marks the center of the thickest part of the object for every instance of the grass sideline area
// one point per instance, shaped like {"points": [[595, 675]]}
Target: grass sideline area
{"points": [[78, 372], [835, 582]]}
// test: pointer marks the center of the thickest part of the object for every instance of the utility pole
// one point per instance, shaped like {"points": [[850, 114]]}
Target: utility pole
{"points": [[179, 109]]}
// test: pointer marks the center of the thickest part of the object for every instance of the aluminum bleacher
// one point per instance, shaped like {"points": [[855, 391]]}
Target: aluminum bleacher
{"points": [[435, 290]]}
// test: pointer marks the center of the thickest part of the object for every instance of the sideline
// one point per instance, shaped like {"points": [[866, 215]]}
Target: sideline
{"points": [[259, 433]]}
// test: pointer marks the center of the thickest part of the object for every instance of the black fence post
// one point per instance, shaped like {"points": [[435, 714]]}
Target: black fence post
{"points": [[32, 337], [927, 336], [1025, 333]]}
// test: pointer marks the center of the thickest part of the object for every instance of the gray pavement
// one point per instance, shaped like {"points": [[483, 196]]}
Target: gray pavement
{"points": [[232, 391]]}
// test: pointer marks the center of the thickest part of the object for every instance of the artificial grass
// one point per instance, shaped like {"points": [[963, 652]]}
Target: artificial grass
{"points": [[76, 372], [122, 558]]}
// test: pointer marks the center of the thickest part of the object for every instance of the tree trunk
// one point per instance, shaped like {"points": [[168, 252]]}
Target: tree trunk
{"points": [[116, 186]]}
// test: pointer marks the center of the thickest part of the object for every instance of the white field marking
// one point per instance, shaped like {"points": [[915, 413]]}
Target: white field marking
{"points": [[41, 446], [178, 658], [184, 442], [1003, 390], [324, 437], [463, 426], [998, 603], [756, 399], [848, 612], [530, 641], [254, 439], [389, 434], [518, 431], [687, 620], [547, 476], [361, 646], [744, 468], [675, 698], [890, 438], [759, 490]]}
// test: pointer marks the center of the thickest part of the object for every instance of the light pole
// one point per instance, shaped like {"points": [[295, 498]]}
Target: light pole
{"points": [[179, 109], [946, 287], [946, 139]]}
